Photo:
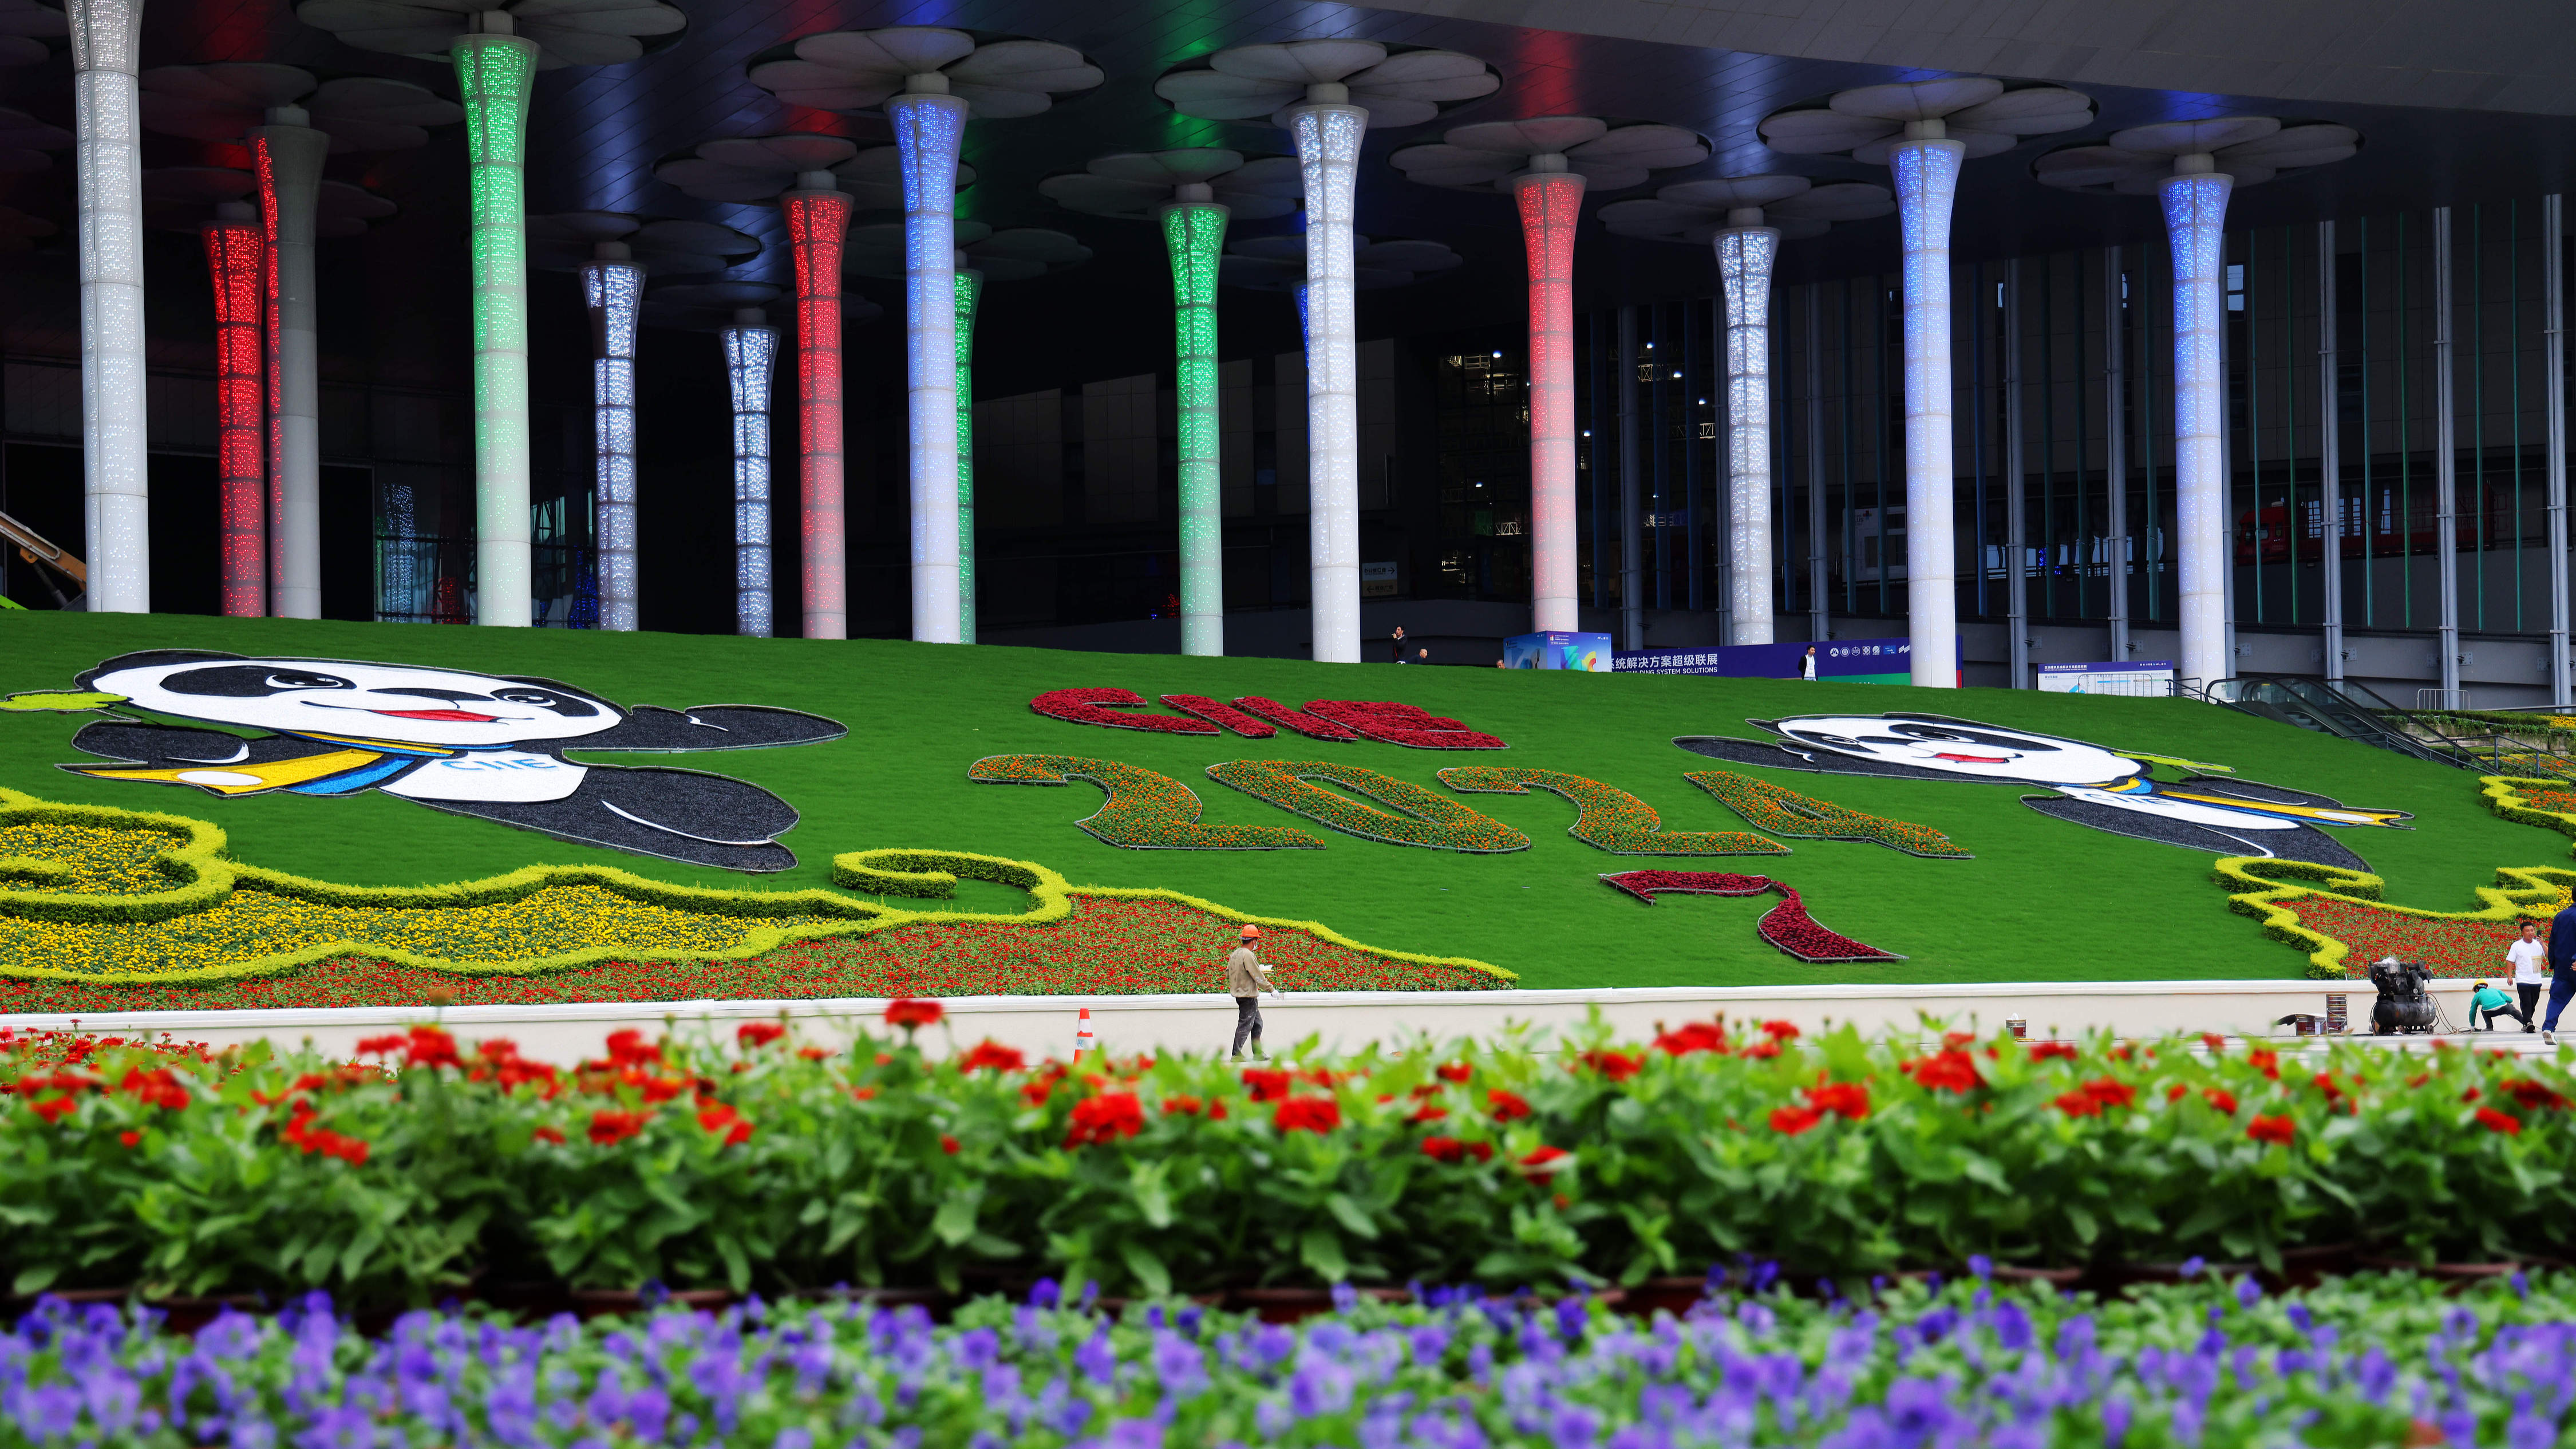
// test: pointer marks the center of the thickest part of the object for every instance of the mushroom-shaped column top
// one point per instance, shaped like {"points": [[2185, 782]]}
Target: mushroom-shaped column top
{"points": [[663, 247], [1278, 263], [25, 26], [1398, 85], [1695, 211], [176, 198], [1013, 255], [860, 70], [360, 113], [1609, 155], [758, 169], [1979, 112], [1133, 184], [2250, 149], [566, 32]]}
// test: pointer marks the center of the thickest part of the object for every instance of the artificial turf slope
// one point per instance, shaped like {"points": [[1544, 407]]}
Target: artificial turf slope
{"points": [[2042, 900]]}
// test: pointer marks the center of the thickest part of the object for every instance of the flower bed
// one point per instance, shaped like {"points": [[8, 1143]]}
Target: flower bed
{"points": [[1426, 819], [699, 1163], [1786, 925], [2379, 1362], [2337, 917], [1606, 816], [1402, 724], [1784, 811], [1145, 810], [1111, 707]]}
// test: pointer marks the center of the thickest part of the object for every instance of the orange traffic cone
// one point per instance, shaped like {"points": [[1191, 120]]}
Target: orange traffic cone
{"points": [[1083, 1040]]}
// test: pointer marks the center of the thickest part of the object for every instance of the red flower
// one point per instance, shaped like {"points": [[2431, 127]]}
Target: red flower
{"points": [[161, 1087], [430, 1047], [1186, 1106], [2534, 1096], [1444, 1149], [989, 1055], [1697, 1036], [1951, 1071], [1790, 1121], [370, 1046], [1544, 1163], [1617, 1066], [550, 1134], [1035, 1093], [1307, 1114], [53, 1109], [812, 1053], [1107, 1116], [2268, 1063], [2495, 1121], [724, 1119], [2042, 1051], [908, 1013], [1428, 1113], [2213, 1041], [1848, 1099], [1267, 1085], [948, 1144], [1506, 1106], [628, 1048], [661, 1089], [758, 1033], [2220, 1098], [131, 1139], [1763, 1050], [2272, 1129], [1453, 1071], [2110, 1093], [607, 1128], [1781, 1030], [863, 1094], [2175, 1092]]}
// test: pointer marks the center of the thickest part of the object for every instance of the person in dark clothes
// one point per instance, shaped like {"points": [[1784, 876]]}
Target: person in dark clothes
{"points": [[1422, 656], [2562, 970], [1395, 650], [2494, 1003]]}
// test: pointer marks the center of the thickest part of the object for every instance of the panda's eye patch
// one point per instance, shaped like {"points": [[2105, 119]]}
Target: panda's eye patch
{"points": [[569, 708], [249, 681]]}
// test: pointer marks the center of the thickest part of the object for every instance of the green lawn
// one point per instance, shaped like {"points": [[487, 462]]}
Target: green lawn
{"points": [[2042, 899]]}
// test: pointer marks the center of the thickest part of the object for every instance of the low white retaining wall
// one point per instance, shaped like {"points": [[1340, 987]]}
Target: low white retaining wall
{"points": [[1044, 1025]]}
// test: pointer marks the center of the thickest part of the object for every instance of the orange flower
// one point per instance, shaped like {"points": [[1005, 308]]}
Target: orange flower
{"points": [[1185, 1105]]}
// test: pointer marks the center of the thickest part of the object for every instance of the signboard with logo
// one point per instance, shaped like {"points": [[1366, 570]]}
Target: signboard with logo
{"points": [[2144, 677], [1558, 649], [1844, 661]]}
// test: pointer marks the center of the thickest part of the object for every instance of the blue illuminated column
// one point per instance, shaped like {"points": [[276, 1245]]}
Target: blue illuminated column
{"points": [[612, 287], [2195, 203], [1926, 168], [970, 293], [750, 351], [929, 126], [1328, 131], [1744, 258], [115, 503]]}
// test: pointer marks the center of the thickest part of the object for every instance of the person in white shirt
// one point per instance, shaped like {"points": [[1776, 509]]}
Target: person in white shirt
{"points": [[2529, 958]]}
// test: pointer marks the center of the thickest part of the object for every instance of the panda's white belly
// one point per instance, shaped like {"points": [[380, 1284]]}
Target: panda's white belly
{"points": [[501, 776]]}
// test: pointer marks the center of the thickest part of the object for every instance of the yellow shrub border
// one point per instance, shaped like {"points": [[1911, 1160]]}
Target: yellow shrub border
{"points": [[2269, 890], [2504, 796], [203, 877]]}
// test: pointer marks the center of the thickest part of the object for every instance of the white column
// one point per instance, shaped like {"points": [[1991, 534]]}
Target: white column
{"points": [[612, 288], [1328, 132], [1926, 168], [2553, 352], [1193, 241], [2115, 453], [2446, 452], [289, 155], [1551, 203], [750, 350], [929, 126], [1820, 604], [495, 72], [2330, 460], [115, 480], [1744, 258], [2195, 203], [2017, 502]]}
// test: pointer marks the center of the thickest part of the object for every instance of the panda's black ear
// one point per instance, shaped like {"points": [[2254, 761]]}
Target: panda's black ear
{"points": [[1772, 725], [150, 657]]}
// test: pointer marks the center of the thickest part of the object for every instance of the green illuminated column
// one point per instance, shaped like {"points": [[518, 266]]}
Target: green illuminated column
{"points": [[1194, 233], [493, 72], [970, 290]]}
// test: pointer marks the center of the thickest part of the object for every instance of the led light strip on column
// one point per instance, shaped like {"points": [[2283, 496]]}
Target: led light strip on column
{"points": [[1328, 147], [236, 262], [970, 291], [493, 77], [613, 291], [1927, 178], [817, 221], [114, 480], [1551, 202], [2195, 213], [1194, 237], [1744, 260], [929, 128], [750, 351]]}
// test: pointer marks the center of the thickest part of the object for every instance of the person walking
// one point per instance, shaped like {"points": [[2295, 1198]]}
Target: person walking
{"points": [[2562, 970], [2494, 1003], [1245, 979], [2529, 960]]}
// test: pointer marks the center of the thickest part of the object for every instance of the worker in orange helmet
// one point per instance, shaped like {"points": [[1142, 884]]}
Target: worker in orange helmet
{"points": [[1245, 979]]}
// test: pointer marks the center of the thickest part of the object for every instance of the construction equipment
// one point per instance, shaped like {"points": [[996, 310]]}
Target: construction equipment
{"points": [[49, 558]]}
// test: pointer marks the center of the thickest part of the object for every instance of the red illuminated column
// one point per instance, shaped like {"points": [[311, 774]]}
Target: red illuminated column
{"points": [[237, 263], [818, 217], [1550, 203]]}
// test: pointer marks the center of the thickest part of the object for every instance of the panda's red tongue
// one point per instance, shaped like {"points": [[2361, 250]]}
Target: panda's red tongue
{"points": [[455, 716]]}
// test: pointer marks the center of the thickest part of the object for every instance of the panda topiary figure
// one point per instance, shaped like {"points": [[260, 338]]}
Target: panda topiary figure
{"points": [[471, 744]]}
